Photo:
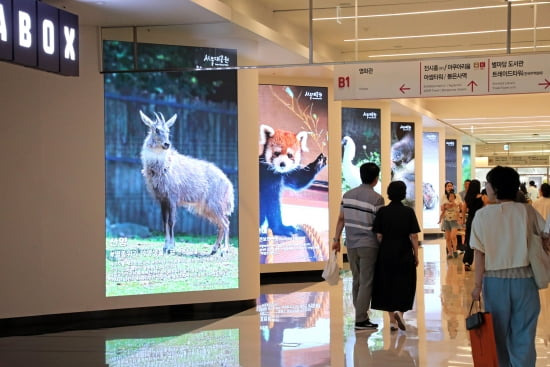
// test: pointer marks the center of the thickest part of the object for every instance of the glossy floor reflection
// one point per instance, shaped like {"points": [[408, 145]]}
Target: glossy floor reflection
{"points": [[292, 325]]}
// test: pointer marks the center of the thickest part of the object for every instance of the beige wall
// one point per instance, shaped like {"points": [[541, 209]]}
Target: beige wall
{"points": [[52, 254]]}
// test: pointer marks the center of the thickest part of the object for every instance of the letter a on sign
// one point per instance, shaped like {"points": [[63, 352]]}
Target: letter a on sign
{"points": [[6, 37]]}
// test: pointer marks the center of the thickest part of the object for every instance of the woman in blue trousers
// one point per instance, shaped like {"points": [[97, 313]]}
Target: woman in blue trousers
{"points": [[502, 271]]}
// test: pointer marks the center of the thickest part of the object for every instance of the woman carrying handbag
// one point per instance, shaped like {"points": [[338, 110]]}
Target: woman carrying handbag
{"points": [[499, 238]]}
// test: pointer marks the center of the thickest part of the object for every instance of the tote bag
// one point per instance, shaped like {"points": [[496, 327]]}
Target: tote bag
{"points": [[540, 261], [331, 273], [482, 340], [538, 258]]}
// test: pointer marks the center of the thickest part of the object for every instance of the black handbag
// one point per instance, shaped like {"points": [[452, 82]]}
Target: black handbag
{"points": [[474, 320]]}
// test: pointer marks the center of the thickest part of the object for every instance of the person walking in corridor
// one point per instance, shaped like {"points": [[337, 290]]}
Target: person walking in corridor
{"points": [[503, 272], [357, 212], [397, 229]]}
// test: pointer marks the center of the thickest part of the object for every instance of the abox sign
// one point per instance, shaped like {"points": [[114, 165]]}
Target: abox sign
{"points": [[38, 35]]}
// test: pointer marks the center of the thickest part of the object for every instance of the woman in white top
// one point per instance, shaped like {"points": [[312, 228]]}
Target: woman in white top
{"points": [[450, 187], [499, 238]]}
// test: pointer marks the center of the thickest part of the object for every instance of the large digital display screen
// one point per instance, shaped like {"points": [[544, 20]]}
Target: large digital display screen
{"points": [[171, 182], [293, 146], [127, 56], [402, 158], [360, 144], [430, 179], [466, 162], [450, 161]]}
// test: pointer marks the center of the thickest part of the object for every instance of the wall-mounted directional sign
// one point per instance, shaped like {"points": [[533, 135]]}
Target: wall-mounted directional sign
{"points": [[443, 77]]}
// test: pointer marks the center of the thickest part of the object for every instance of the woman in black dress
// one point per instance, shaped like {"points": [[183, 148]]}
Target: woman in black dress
{"points": [[474, 202], [396, 228]]}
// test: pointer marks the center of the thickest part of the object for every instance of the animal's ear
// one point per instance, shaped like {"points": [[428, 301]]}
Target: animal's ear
{"points": [[170, 122], [146, 120], [265, 131], [302, 138]]}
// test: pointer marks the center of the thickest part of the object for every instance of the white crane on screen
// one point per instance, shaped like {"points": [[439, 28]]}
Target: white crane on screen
{"points": [[349, 170]]}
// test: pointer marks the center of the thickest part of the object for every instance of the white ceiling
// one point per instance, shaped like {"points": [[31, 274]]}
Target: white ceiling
{"points": [[276, 32]]}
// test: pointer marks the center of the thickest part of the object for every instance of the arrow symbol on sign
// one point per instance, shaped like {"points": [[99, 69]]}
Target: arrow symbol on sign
{"points": [[403, 88], [472, 84], [546, 83]]}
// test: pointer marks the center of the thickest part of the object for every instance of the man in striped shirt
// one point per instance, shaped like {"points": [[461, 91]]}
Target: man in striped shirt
{"points": [[357, 212]]}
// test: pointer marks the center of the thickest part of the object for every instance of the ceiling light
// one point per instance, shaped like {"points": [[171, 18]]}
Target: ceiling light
{"points": [[431, 11], [498, 123], [496, 118], [444, 34], [459, 51], [506, 128], [525, 139]]}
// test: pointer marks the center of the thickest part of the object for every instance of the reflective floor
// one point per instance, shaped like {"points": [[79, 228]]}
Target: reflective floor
{"points": [[293, 325]]}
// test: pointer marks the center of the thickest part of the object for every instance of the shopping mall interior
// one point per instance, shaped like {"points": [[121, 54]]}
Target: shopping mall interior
{"points": [[100, 271]]}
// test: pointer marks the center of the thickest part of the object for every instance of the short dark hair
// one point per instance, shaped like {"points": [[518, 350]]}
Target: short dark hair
{"points": [[532, 183], [449, 194], [397, 190], [369, 172], [545, 190], [505, 182]]}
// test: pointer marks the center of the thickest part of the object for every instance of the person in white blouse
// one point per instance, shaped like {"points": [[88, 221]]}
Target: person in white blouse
{"points": [[532, 191], [510, 294]]}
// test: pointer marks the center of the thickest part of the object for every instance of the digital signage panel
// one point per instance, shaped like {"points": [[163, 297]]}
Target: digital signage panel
{"points": [[150, 56], [450, 161], [466, 162], [171, 182], [430, 179], [402, 158], [293, 146], [360, 144]]}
